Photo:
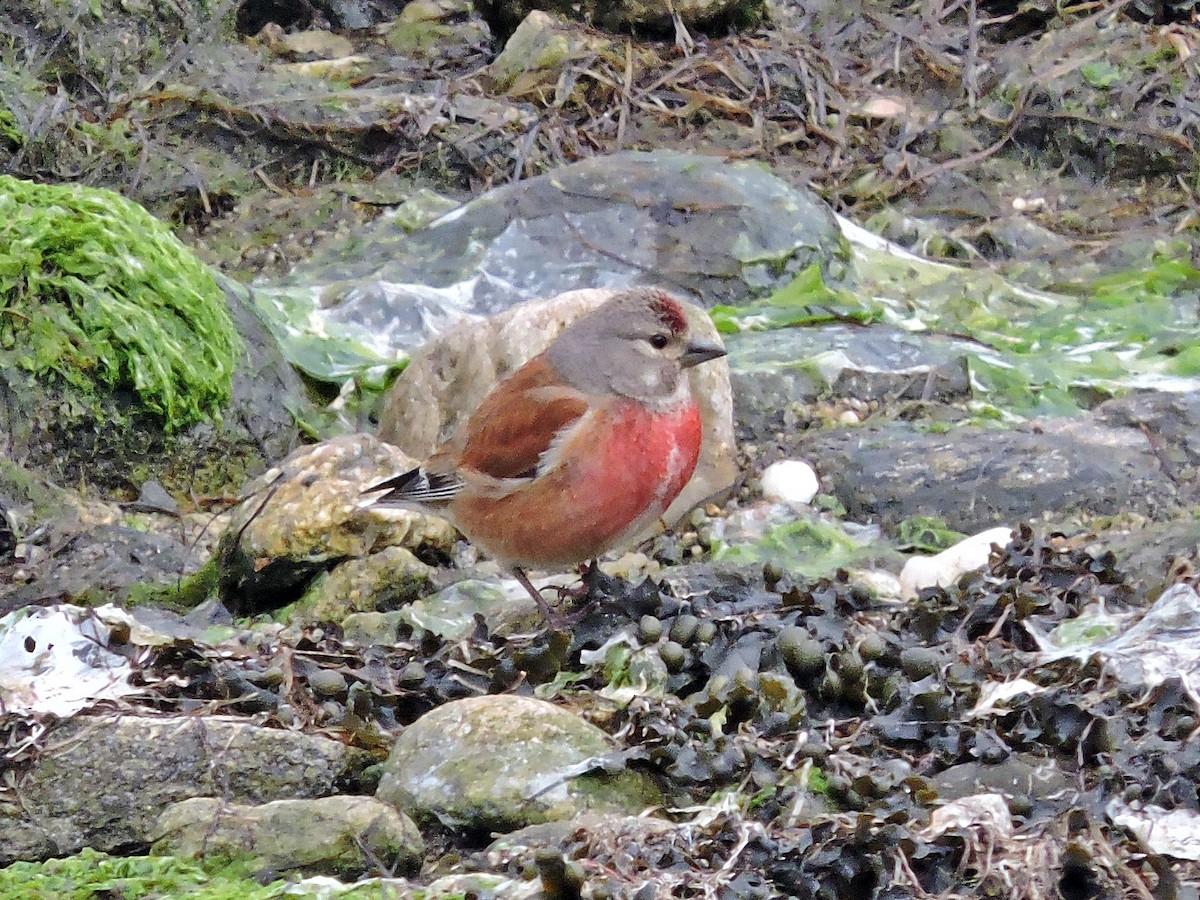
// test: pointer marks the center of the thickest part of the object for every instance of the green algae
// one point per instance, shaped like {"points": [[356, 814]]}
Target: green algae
{"points": [[93, 874], [809, 548], [97, 296], [1029, 352], [926, 534], [806, 300]]}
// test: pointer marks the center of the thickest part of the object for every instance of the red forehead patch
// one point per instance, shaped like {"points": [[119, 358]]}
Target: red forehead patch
{"points": [[669, 312]]}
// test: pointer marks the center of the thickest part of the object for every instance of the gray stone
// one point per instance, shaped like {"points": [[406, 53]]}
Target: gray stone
{"points": [[718, 231], [975, 478], [337, 835], [102, 782], [1170, 423], [777, 374], [1023, 779], [503, 762]]}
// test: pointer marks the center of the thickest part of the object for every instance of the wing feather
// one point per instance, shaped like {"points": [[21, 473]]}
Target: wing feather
{"points": [[416, 486], [518, 423]]}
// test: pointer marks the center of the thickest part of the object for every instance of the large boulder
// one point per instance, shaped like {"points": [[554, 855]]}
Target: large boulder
{"points": [[103, 781]]}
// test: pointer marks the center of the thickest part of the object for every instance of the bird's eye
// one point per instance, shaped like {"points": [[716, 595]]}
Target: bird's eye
{"points": [[658, 341]]}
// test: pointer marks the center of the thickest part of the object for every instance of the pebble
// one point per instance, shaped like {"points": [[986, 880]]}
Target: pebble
{"points": [[683, 629], [673, 656], [790, 481], [919, 662], [327, 683]]}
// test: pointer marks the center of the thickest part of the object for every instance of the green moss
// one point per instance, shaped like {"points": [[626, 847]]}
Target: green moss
{"points": [[10, 134], [97, 295], [91, 874], [181, 596], [927, 534]]}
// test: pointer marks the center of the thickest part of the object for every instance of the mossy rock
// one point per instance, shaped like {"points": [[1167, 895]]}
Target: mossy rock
{"points": [[97, 296], [120, 350]]}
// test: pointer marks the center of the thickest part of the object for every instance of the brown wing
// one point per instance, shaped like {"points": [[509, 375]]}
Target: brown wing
{"points": [[517, 422]]}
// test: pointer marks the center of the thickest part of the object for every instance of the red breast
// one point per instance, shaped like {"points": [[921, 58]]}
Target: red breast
{"points": [[619, 472]]}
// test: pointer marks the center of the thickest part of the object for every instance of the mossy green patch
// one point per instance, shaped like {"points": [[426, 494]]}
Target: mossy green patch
{"points": [[92, 874], [806, 300], [180, 596], [926, 534], [10, 134], [1028, 352], [809, 548], [98, 295]]}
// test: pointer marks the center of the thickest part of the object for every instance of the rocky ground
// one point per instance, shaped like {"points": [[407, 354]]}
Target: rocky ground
{"points": [[755, 705]]}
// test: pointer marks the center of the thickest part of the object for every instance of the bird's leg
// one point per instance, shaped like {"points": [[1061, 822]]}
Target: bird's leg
{"points": [[548, 613], [551, 615]]}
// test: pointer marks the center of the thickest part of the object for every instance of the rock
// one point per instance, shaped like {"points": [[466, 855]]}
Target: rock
{"points": [[790, 481], [1146, 551], [328, 683], [947, 567], [315, 42], [367, 629], [172, 369], [337, 835], [1030, 784], [304, 516], [976, 478], [502, 762], [385, 580], [1170, 423], [102, 782], [449, 377], [777, 374], [589, 827], [450, 613], [538, 51], [153, 498], [437, 31], [623, 15], [107, 564], [718, 231]]}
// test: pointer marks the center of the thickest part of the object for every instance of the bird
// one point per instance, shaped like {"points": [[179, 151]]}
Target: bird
{"points": [[579, 451]]}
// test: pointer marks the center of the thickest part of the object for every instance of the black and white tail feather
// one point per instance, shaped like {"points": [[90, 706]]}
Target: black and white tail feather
{"points": [[415, 488]]}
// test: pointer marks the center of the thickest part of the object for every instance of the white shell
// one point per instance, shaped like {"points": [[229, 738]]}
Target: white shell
{"points": [[790, 481]]}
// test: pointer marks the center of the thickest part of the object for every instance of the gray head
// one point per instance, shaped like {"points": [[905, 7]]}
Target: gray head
{"points": [[636, 345]]}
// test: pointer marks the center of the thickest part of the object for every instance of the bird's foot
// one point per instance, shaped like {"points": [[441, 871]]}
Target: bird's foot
{"points": [[557, 618]]}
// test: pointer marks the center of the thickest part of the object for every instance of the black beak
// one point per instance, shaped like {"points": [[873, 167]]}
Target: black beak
{"points": [[698, 352]]}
